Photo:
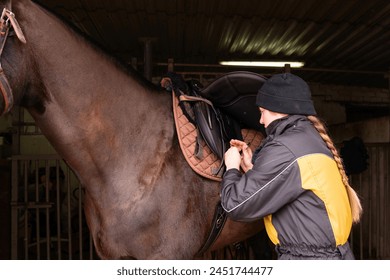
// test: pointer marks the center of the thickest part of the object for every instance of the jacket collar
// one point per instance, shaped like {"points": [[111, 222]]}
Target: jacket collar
{"points": [[278, 126]]}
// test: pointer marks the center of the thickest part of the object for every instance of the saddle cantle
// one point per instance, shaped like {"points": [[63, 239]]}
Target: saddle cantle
{"points": [[206, 119], [235, 94]]}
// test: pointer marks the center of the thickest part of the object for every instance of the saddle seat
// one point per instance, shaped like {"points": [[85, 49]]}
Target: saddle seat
{"points": [[235, 94]]}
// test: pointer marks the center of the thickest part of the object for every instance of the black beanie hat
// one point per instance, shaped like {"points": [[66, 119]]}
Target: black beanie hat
{"points": [[286, 93]]}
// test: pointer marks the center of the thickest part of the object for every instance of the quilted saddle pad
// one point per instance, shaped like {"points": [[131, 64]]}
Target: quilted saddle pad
{"points": [[208, 164]]}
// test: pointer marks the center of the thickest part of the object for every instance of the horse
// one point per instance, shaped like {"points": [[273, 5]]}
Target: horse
{"points": [[115, 130]]}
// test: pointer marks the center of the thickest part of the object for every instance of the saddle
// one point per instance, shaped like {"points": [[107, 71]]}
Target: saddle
{"points": [[207, 118]]}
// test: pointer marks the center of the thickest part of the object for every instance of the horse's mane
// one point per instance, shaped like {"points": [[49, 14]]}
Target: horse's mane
{"points": [[119, 63]]}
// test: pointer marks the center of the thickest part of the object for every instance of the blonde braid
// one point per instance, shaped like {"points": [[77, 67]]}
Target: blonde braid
{"points": [[356, 207]]}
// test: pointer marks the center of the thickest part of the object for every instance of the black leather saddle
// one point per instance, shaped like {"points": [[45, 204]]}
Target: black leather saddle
{"points": [[235, 94], [222, 109]]}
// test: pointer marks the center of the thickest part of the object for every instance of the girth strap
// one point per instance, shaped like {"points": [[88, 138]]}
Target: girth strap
{"points": [[219, 221]]}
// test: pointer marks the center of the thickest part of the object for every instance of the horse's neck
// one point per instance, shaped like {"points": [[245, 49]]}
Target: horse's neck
{"points": [[97, 117]]}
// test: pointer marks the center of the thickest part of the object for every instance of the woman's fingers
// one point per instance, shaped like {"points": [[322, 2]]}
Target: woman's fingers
{"points": [[241, 145]]}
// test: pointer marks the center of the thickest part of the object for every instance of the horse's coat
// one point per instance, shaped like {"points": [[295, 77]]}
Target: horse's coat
{"points": [[116, 132]]}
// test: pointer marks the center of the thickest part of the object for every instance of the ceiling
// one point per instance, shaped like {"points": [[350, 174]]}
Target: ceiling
{"points": [[341, 42]]}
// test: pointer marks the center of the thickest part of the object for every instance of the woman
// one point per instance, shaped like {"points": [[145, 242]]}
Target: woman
{"points": [[295, 180]]}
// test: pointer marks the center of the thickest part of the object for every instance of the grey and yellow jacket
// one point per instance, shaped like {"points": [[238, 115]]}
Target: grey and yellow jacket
{"points": [[295, 185]]}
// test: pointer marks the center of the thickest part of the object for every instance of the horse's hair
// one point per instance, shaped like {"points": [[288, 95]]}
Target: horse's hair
{"points": [[354, 200]]}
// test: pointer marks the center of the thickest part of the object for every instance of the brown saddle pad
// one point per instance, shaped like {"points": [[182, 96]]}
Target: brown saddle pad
{"points": [[207, 164]]}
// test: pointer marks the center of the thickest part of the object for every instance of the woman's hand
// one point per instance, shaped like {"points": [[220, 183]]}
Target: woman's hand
{"points": [[235, 159], [232, 158]]}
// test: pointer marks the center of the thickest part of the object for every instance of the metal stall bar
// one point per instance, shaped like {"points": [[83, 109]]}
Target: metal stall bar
{"points": [[14, 211], [46, 211], [69, 222], [58, 210]]}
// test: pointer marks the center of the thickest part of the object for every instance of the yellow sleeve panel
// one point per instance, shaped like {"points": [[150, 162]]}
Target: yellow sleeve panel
{"points": [[271, 231], [320, 174]]}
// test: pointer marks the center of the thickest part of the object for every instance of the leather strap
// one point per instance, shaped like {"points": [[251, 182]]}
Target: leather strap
{"points": [[7, 21], [218, 223], [6, 92], [4, 85]]}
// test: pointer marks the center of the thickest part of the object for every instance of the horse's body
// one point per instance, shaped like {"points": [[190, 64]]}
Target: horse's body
{"points": [[117, 133]]}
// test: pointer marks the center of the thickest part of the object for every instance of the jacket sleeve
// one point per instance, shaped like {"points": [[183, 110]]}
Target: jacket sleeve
{"points": [[273, 182]]}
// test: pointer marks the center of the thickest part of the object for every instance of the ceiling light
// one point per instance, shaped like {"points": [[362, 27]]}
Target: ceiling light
{"points": [[293, 64]]}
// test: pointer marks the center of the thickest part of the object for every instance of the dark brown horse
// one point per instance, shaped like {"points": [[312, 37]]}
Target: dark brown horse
{"points": [[116, 132]]}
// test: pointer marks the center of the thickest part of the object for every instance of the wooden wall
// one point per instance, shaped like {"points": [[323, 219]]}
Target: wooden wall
{"points": [[371, 237]]}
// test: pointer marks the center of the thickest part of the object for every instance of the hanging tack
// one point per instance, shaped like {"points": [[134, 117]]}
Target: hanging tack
{"points": [[287, 68], [148, 63], [170, 64], [134, 63]]}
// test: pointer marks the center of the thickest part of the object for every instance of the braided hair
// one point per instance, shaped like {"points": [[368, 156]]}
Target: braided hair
{"points": [[356, 207]]}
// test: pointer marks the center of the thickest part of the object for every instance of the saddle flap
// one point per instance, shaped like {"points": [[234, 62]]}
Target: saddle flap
{"points": [[210, 128]]}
